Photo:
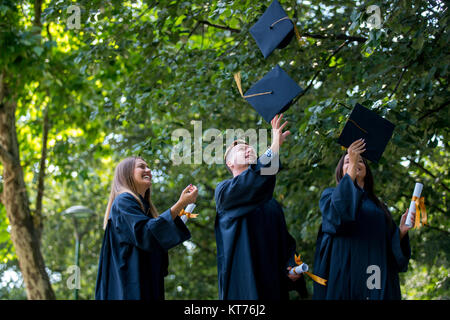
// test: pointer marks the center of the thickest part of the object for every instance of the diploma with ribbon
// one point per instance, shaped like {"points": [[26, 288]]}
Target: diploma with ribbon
{"points": [[417, 207], [186, 214], [299, 269], [303, 268]]}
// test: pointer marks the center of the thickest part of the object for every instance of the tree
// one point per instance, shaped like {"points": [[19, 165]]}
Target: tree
{"points": [[14, 196]]}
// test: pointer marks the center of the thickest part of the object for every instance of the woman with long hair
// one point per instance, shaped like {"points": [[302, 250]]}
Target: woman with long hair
{"points": [[133, 260], [359, 249]]}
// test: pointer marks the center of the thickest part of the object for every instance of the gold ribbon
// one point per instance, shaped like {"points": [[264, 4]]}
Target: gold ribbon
{"points": [[420, 208], [354, 122], [297, 34], [237, 79], [317, 279], [187, 214]]}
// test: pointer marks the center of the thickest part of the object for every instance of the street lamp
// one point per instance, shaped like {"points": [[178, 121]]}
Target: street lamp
{"points": [[76, 213]]}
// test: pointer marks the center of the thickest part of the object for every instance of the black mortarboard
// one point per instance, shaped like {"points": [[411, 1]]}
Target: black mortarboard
{"points": [[271, 95], [273, 30], [374, 129]]}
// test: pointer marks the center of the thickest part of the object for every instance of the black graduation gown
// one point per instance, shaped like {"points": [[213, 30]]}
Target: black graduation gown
{"points": [[354, 235], [254, 247], [133, 259]]}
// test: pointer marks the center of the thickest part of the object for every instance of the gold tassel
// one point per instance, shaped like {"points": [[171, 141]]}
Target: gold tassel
{"points": [[237, 79], [297, 35]]}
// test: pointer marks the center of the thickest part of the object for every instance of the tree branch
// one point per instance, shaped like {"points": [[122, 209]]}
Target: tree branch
{"points": [[304, 34], [189, 35], [418, 165], [320, 70], [345, 106], [40, 188], [436, 228], [340, 36], [219, 26], [442, 106], [398, 82]]}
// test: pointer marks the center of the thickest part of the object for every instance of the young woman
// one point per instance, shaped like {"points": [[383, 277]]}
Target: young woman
{"points": [[133, 259], [359, 248]]}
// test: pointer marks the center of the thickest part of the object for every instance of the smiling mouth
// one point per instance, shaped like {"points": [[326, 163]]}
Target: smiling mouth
{"points": [[146, 177]]}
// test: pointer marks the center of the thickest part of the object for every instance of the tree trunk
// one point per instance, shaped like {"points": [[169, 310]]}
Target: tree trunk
{"points": [[15, 200]]}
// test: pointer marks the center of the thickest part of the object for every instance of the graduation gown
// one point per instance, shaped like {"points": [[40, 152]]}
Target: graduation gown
{"points": [[133, 259], [254, 247], [354, 235]]}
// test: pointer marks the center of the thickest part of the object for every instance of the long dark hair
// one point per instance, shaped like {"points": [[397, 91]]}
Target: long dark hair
{"points": [[368, 186], [124, 182]]}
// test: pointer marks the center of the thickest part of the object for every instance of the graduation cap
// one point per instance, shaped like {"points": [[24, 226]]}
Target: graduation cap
{"points": [[374, 129], [271, 95], [274, 29]]}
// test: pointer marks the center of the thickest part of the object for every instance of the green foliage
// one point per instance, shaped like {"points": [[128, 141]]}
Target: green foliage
{"points": [[135, 73]]}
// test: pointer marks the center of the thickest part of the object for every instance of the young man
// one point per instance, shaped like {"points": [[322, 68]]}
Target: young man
{"points": [[254, 248]]}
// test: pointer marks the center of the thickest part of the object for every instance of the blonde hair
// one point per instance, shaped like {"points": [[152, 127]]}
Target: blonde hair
{"points": [[227, 152], [124, 182]]}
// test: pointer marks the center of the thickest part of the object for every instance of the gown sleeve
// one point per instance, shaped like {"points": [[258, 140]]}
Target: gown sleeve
{"points": [[144, 232], [401, 249], [245, 190], [339, 206]]}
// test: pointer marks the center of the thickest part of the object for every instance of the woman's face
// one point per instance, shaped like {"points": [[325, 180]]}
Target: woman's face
{"points": [[142, 174], [360, 168]]}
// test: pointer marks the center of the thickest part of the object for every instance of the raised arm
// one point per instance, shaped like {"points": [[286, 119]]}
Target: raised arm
{"points": [[339, 205], [145, 232], [256, 184], [248, 188]]}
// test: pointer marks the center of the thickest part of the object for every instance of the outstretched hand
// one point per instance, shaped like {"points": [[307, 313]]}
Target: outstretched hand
{"points": [[355, 150], [354, 155], [278, 136]]}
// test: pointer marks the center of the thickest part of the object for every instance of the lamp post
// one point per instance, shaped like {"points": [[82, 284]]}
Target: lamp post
{"points": [[76, 213]]}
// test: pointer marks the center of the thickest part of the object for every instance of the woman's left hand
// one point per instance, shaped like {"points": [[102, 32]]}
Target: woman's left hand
{"points": [[403, 227]]}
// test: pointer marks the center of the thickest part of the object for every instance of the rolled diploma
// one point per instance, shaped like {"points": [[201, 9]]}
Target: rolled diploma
{"points": [[189, 208], [299, 269], [412, 206]]}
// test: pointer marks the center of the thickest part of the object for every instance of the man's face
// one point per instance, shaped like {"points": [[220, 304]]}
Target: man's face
{"points": [[242, 155]]}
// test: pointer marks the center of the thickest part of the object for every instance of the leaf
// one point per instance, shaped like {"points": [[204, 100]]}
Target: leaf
{"points": [[38, 50]]}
